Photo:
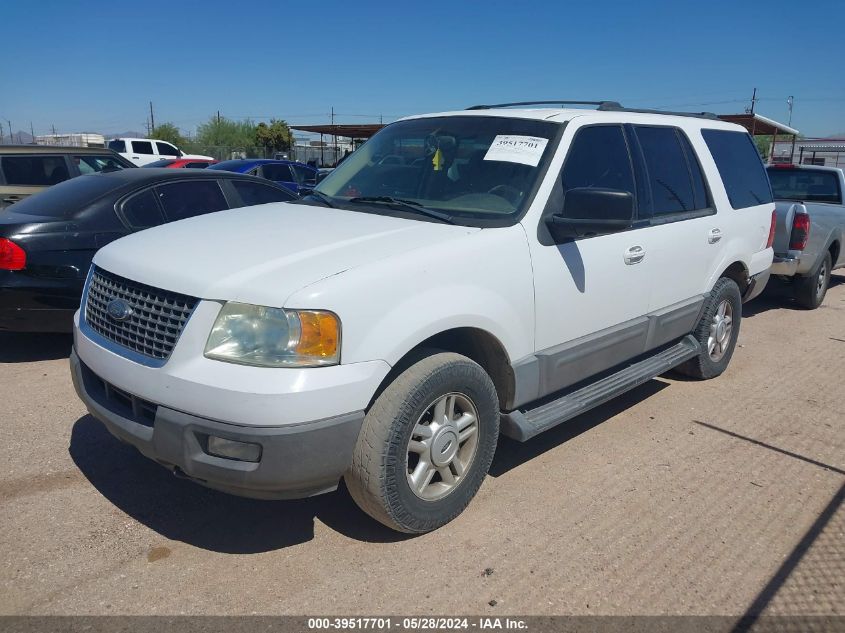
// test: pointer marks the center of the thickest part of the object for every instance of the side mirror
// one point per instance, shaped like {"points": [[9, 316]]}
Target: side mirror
{"points": [[589, 211]]}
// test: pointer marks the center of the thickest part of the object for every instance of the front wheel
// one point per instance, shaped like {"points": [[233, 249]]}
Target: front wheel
{"points": [[426, 444], [716, 332]]}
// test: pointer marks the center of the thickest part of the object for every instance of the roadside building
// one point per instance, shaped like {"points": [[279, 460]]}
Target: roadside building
{"points": [[72, 140], [828, 151]]}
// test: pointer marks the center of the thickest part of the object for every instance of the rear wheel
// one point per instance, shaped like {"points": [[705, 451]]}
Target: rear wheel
{"points": [[426, 444], [716, 332], [810, 290]]}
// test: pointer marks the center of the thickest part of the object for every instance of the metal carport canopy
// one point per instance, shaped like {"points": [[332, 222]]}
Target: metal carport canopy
{"points": [[758, 125], [350, 131]]}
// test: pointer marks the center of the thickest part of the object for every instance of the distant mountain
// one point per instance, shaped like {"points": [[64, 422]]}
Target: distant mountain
{"points": [[126, 135], [19, 138]]}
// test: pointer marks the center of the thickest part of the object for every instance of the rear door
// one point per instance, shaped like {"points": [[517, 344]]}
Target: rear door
{"points": [[141, 152], [25, 174], [686, 232]]}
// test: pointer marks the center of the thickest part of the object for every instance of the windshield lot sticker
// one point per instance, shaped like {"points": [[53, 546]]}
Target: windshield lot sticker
{"points": [[517, 149]]}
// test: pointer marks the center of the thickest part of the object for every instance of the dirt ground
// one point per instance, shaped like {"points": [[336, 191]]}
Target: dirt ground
{"points": [[682, 497]]}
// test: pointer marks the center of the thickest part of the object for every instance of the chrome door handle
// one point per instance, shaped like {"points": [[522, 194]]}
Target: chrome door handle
{"points": [[634, 255], [714, 236]]}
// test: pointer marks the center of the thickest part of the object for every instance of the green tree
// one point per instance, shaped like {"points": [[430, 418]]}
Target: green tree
{"points": [[221, 137], [275, 137], [170, 133], [764, 146]]}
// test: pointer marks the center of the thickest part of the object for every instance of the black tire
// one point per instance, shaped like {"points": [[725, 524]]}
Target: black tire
{"points": [[810, 290], [704, 366], [378, 477]]}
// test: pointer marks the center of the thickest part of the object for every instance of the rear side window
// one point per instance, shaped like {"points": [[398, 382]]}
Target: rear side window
{"points": [[255, 193], [182, 200], [277, 172], [303, 174], [807, 185], [142, 147], [671, 177], [740, 167], [34, 170], [94, 164], [598, 158], [117, 146], [196, 165], [142, 210]]}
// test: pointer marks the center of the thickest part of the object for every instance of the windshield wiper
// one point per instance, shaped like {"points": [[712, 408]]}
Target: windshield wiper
{"points": [[321, 197], [405, 204]]}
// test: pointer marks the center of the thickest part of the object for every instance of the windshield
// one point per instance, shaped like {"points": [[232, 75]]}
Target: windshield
{"points": [[473, 168], [810, 185]]}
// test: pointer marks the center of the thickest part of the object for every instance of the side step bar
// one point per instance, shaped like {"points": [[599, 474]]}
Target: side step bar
{"points": [[522, 425]]}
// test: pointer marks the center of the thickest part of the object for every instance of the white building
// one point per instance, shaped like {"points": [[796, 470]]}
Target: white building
{"points": [[83, 139]]}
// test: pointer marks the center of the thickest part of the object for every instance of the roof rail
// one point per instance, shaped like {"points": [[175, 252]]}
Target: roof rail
{"points": [[601, 104], [612, 106], [604, 106]]}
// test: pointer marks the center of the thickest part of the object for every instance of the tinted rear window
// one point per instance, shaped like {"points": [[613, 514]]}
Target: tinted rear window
{"points": [[810, 185], [256, 193], [231, 165], [34, 170], [67, 198], [740, 167], [117, 146]]}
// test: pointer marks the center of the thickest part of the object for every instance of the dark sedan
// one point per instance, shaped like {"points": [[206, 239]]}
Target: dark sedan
{"points": [[47, 241]]}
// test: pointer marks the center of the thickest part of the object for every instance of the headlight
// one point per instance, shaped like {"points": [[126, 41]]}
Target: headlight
{"points": [[273, 337]]}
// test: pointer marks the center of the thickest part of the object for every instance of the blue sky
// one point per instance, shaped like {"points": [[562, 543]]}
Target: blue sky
{"points": [[94, 66]]}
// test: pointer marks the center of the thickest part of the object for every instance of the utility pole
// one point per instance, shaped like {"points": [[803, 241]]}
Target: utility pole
{"points": [[54, 129], [789, 101], [152, 118], [11, 138], [32, 131], [335, 138], [218, 117], [753, 101]]}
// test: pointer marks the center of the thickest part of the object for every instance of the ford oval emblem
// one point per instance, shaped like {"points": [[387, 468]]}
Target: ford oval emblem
{"points": [[119, 310]]}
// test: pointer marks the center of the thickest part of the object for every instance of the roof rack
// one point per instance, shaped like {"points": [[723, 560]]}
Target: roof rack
{"points": [[603, 106], [600, 104]]}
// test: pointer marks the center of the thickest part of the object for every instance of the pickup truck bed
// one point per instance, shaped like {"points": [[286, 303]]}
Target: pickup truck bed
{"points": [[809, 228]]}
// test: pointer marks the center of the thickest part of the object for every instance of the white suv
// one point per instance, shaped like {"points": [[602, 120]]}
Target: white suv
{"points": [[143, 151], [461, 275]]}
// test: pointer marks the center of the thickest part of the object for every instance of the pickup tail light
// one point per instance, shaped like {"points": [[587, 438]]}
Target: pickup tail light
{"points": [[771, 239], [12, 256], [800, 232]]}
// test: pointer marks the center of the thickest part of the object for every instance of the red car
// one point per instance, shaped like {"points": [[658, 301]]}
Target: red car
{"points": [[180, 163]]}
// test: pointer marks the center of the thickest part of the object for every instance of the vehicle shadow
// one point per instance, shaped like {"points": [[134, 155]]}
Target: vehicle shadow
{"points": [[510, 453], [18, 347], [184, 511], [778, 295]]}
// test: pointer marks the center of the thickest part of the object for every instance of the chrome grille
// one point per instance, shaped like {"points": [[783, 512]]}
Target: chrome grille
{"points": [[157, 319]]}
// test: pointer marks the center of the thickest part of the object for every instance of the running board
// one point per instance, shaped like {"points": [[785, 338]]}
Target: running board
{"points": [[522, 425]]}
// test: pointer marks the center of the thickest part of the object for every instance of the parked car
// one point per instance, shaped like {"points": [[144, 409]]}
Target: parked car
{"points": [[512, 269], [47, 241], [295, 176], [810, 228], [182, 163], [28, 169], [141, 151]]}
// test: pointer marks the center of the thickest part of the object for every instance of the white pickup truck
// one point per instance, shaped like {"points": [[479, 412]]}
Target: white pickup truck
{"points": [[810, 228], [461, 275], [143, 151]]}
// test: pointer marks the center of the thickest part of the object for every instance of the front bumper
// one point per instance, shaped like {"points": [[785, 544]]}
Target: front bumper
{"points": [[297, 460]]}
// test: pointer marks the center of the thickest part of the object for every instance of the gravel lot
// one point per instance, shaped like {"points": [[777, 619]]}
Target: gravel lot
{"points": [[680, 498]]}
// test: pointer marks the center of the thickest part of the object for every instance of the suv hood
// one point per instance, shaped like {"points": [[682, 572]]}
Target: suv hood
{"points": [[263, 254]]}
